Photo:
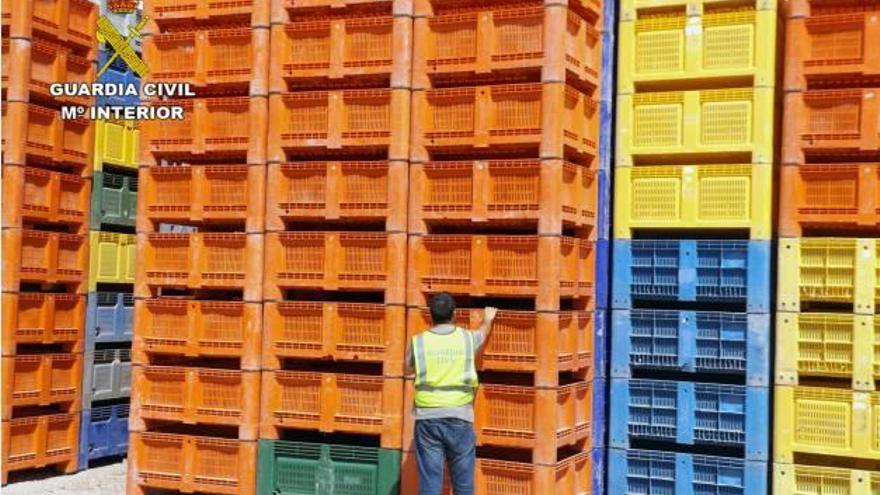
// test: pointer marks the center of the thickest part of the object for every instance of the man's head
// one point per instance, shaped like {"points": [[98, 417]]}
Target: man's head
{"points": [[442, 308]]}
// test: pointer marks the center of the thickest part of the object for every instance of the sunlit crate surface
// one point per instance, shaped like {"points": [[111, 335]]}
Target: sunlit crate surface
{"points": [[43, 318], [44, 257], [116, 143], [842, 271], [651, 472], [830, 422], [37, 135], [42, 380], [34, 196], [337, 332], [818, 480], [529, 40], [190, 463], [69, 22], [551, 194], [831, 197], [166, 327], [40, 441], [113, 258], [104, 433], [703, 343], [677, 47], [31, 66], [702, 415], [106, 374], [735, 125], [691, 197], [540, 344], [195, 396], [702, 270]]}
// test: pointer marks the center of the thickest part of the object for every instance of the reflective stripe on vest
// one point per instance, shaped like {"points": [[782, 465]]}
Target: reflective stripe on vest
{"points": [[444, 365]]}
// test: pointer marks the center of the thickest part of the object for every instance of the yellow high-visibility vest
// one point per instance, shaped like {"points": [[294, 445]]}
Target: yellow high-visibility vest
{"points": [[445, 372]]}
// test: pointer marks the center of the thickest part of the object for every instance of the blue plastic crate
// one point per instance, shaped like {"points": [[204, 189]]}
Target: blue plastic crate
{"points": [[598, 471], [713, 271], [648, 472], [109, 317], [600, 344], [692, 342], [688, 413], [603, 273], [117, 73], [103, 433], [600, 394], [106, 375]]}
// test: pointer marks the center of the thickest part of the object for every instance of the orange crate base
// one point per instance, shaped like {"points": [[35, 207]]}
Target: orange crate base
{"points": [[168, 13], [42, 380], [44, 319], [37, 196], [190, 464], [332, 403], [40, 441], [284, 11]]}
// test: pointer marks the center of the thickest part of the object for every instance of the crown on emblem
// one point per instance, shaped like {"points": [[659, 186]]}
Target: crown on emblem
{"points": [[122, 6]]}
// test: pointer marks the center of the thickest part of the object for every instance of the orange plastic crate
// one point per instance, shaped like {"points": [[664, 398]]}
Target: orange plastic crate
{"points": [[37, 134], [40, 257], [39, 196], [352, 120], [526, 40], [42, 380], [40, 441], [832, 43], [196, 396], [332, 403], [70, 22], [829, 197], [191, 464], [358, 191], [546, 268], [549, 193], [43, 318], [30, 66], [540, 419], [335, 331], [356, 261], [226, 59], [285, 11], [171, 13], [316, 51], [196, 329], [207, 261], [492, 477], [196, 194], [543, 344], [554, 119], [232, 128], [832, 123]]}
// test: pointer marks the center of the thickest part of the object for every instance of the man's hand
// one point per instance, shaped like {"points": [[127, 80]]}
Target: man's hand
{"points": [[489, 314]]}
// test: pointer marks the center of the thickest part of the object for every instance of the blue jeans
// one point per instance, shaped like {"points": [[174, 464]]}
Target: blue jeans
{"points": [[440, 440]]}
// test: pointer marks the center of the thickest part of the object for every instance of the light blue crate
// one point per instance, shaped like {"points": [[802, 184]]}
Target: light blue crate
{"points": [[648, 472], [109, 317], [103, 433], [691, 342], [106, 375], [689, 413], [709, 271]]}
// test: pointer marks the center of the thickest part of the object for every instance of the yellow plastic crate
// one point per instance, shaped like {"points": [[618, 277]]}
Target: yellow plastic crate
{"points": [[111, 258], [694, 197], [826, 421], [116, 143], [829, 270], [629, 9], [813, 480], [735, 125], [828, 345], [658, 49]]}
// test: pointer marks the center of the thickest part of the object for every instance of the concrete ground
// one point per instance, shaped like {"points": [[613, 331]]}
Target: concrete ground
{"points": [[106, 479]]}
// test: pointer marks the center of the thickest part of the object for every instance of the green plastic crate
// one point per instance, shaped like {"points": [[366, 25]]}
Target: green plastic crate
{"points": [[114, 199], [299, 468]]}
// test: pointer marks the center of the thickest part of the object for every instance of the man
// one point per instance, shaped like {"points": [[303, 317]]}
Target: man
{"points": [[442, 361]]}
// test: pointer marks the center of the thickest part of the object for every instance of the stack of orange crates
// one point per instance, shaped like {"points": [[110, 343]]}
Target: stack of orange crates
{"points": [[336, 209], [195, 398], [47, 170], [503, 210], [828, 322]]}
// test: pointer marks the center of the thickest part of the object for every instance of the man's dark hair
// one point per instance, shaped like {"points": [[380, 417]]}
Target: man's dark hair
{"points": [[442, 308]]}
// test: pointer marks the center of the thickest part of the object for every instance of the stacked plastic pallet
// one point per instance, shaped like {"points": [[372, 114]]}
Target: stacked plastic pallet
{"points": [[828, 326], [46, 188], [198, 285], [503, 211], [693, 222], [335, 246], [110, 301]]}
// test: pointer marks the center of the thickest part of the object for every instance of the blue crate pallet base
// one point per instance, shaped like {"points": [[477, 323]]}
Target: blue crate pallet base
{"points": [[707, 271], [693, 414], [103, 433], [691, 342], [648, 472], [109, 317]]}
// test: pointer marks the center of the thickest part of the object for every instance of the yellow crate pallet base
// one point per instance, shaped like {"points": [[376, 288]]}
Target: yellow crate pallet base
{"points": [[820, 480]]}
